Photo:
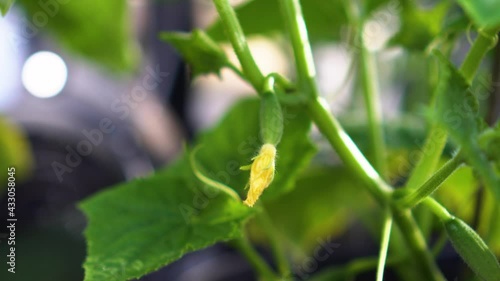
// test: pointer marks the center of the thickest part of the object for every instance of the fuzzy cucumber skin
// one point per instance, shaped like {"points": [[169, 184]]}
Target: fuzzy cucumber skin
{"points": [[271, 119], [473, 250]]}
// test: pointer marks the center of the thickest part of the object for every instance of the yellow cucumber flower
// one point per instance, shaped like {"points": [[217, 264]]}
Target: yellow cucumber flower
{"points": [[261, 173]]}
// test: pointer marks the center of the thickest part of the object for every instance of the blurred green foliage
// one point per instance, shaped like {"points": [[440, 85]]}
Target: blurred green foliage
{"points": [[15, 152], [198, 49], [97, 30], [5, 5]]}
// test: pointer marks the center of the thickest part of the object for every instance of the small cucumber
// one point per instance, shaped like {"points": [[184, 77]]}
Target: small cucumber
{"points": [[271, 119], [472, 249]]}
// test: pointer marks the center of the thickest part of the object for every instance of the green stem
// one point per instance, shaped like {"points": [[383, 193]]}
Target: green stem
{"points": [[364, 264], [417, 245], [353, 158], [208, 181], [352, 269], [485, 41], [296, 27], [282, 81], [415, 196], [276, 245], [437, 209], [431, 153], [384, 245], [494, 221], [260, 266], [236, 70], [319, 112], [436, 139], [369, 82], [318, 109], [439, 245], [373, 108], [239, 43], [348, 151]]}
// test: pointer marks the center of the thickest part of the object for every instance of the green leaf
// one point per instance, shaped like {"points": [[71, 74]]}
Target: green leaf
{"points": [[324, 19], [199, 50], [457, 110], [483, 12], [419, 26], [235, 141], [5, 6], [97, 30], [137, 227]]}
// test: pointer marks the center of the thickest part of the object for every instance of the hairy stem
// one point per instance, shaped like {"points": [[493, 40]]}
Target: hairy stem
{"points": [[485, 41], [237, 38], [415, 196], [349, 153], [276, 245], [417, 245], [327, 124], [260, 266], [436, 139], [352, 269], [297, 30], [384, 245], [319, 110], [369, 79], [431, 153], [437, 209]]}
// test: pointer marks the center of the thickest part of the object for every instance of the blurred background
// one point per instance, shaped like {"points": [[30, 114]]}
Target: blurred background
{"points": [[90, 97]]}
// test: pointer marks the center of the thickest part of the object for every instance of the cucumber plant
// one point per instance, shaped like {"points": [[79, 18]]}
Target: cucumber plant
{"points": [[204, 197]]}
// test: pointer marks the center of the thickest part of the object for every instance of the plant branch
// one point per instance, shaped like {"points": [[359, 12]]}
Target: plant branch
{"points": [[236, 70], [417, 245], [353, 268], [439, 244], [348, 151], [384, 245], [238, 41], [485, 41], [276, 245], [260, 266], [283, 82], [436, 139], [431, 153], [437, 209], [372, 105], [319, 112], [297, 30], [353, 158], [415, 196]]}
